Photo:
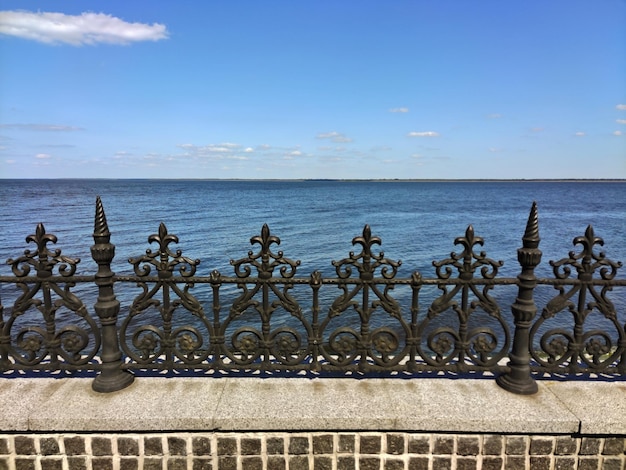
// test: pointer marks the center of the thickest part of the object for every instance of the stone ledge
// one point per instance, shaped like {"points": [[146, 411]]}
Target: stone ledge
{"points": [[302, 404]]}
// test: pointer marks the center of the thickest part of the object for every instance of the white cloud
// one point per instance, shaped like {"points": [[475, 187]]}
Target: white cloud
{"points": [[216, 149], [77, 30], [249, 150], [211, 149], [336, 137], [43, 156], [618, 133], [399, 110], [621, 107], [423, 134], [621, 121], [579, 134]]}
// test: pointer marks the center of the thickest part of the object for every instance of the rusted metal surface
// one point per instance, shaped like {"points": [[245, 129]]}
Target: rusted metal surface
{"points": [[267, 318]]}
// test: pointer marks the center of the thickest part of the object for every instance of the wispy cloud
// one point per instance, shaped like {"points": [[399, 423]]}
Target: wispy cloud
{"points": [[618, 133], [423, 134], [41, 127], [336, 137], [621, 121], [43, 156], [580, 134], [494, 116], [621, 107], [225, 150], [399, 110], [77, 30]]}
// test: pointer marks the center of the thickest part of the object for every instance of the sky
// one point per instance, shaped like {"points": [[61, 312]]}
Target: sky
{"points": [[283, 89]]}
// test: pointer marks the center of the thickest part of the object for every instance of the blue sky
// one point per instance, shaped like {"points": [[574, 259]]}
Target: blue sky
{"points": [[286, 89]]}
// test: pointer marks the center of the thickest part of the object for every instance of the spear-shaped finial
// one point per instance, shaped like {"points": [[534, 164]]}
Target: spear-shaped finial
{"points": [[531, 235], [101, 232]]}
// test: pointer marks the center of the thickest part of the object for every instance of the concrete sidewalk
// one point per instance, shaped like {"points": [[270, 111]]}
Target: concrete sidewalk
{"points": [[335, 404]]}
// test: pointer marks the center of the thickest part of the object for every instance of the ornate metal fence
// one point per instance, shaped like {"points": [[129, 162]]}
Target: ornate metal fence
{"points": [[279, 322]]}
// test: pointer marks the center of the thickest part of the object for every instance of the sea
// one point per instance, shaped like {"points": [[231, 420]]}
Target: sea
{"points": [[316, 221]]}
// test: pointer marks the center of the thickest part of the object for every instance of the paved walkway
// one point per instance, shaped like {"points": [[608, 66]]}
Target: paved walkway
{"points": [[255, 404]]}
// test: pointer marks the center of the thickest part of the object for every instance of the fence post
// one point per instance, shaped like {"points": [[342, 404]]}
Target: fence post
{"points": [[111, 377], [518, 380]]}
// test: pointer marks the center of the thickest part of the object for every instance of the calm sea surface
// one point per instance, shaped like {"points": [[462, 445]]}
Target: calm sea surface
{"points": [[315, 220]]}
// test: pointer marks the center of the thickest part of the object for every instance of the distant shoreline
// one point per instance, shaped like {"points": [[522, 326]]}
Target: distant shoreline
{"points": [[340, 180]]}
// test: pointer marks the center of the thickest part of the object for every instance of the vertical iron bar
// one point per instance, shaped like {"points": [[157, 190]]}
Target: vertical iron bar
{"points": [[463, 320], [518, 379], [167, 327], [52, 344], [265, 328], [366, 342], [316, 283], [416, 284], [107, 307], [5, 340], [216, 341]]}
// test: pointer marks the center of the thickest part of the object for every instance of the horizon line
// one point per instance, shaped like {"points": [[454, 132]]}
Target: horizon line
{"points": [[400, 180]]}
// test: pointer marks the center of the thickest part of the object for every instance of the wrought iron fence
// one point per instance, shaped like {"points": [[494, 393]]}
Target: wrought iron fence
{"points": [[280, 323]]}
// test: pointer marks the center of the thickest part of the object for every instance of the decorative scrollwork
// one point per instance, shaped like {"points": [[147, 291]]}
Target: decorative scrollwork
{"points": [[577, 349], [187, 344], [468, 261], [166, 342], [366, 262], [587, 261], [382, 346], [164, 259], [287, 346], [443, 343], [342, 347], [482, 344], [246, 346], [148, 340], [265, 260], [479, 346], [31, 341], [151, 343], [386, 346], [43, 259], [75, 344], [42, 343]]}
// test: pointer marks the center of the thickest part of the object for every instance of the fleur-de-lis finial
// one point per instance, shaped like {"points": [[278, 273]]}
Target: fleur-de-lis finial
{"points": [[268, 259]]}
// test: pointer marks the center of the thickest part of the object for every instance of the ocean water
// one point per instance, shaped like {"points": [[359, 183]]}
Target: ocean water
{"points": [[316, 222]]}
